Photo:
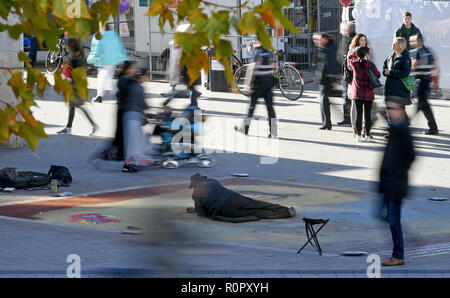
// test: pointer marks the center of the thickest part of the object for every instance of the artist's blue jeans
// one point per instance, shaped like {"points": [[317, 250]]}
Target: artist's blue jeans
{"points": [[393, 218]]}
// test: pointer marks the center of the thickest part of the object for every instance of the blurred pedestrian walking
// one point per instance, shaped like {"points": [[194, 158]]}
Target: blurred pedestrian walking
{"points": [[132, 106], [76, 60], [398, 157], [108, 53], [362, 94], [422, 66], [329, 74], [261, 85]]}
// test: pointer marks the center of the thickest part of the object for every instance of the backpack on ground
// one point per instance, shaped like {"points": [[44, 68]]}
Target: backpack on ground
{"points": [[61, 174], [9, 177]]}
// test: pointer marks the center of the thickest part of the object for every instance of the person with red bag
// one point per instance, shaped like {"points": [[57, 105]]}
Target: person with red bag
{"points": [[76, 60], [362, 93]]}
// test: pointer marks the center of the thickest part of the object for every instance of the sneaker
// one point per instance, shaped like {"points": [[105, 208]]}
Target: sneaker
{"points": [[65, 131], [94, 129], [431, 132], [360, 139], [97, 99], [345, 122], [129, 168], [241, 129], [368, 139], [292, 211]]}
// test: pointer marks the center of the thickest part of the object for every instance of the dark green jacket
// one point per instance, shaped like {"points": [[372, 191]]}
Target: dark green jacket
{"points": [[401, 32]]}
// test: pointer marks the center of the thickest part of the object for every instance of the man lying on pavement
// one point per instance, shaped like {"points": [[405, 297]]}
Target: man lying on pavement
{"points": [[220, 203]]}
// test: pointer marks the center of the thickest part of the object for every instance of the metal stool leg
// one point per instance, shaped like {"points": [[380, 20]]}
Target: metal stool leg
{"points": [[307, 235]]}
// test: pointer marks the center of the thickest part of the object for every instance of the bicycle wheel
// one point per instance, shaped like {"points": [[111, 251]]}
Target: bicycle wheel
{"points": [[239, 79], [53, 61], [290, 82]]}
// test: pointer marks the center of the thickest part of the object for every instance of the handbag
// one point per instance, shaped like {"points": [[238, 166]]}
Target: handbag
{"points": [[374, 82], [409, 82]]}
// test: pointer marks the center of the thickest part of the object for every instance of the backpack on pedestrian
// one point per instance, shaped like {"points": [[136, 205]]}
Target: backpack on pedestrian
{"points": [[347, 73]]}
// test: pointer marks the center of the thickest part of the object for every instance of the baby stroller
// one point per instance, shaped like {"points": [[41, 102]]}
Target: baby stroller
{"points": [[173, 154]]}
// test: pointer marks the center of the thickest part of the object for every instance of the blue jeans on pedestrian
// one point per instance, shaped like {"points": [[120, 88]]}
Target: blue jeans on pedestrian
{"points": [[393, 206]]}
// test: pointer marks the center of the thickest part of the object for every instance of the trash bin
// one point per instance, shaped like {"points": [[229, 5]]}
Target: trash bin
{"points": [[217, 79]]}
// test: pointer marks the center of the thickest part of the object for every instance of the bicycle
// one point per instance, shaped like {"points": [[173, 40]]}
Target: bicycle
{"points": [[54, 59], [289, 79]]}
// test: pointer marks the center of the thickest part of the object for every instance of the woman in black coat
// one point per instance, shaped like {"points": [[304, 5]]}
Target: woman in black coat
{"points": [[396, 67]]}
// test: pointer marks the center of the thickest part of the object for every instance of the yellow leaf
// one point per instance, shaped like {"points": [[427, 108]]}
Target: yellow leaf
{"points": [[29, 119]]}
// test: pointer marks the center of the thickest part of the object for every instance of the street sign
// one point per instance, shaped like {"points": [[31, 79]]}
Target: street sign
{"points": [[346, 2]]}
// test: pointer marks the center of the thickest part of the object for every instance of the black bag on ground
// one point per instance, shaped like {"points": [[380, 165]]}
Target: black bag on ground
{"points": [[9, 177], [61, 174]]}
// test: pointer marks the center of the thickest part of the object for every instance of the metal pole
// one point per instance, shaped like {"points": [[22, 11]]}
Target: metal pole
{"points": [[150, 58], [239, 38]]}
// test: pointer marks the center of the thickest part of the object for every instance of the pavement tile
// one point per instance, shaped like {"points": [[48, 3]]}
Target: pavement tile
{"points": [[310, 276], [292, 275], [434, 275], [274, 275]]}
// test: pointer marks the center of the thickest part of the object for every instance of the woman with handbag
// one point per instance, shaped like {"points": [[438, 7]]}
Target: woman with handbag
{"points": [[362, 91], [359, 40], [396, 69]]}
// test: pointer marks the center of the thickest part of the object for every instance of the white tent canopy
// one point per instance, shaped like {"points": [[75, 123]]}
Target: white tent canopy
{"points": [[379, 19]]}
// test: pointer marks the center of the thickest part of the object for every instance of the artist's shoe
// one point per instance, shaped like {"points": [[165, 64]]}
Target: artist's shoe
{"points": [[431, 132], [394, 262], [325, 127], [65, 131], [292, 211]]}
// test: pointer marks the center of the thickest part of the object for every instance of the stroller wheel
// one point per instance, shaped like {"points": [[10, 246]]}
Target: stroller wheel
{"points": [[206, 161], [170, 164]]}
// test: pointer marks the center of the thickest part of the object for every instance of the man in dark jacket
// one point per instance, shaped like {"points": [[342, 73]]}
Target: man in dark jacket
{"points": [[347, 36], [329, 76], [398, 157], [407, 29], [261, 85], [213, 200]]}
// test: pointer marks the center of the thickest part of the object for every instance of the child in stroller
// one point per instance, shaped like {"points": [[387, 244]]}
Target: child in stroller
{"points": [[173, 129]]}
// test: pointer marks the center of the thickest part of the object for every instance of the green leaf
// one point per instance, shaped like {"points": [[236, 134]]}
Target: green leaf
{"points": [[218, 24], [4, 129], [23, 57], [80, 80], [63, 86], [31, 134], [5, 8]]}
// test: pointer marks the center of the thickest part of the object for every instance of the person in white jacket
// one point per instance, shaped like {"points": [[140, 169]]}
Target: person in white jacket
{"points": [[108, 52]]}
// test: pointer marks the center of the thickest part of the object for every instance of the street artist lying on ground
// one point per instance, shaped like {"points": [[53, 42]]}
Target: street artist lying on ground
{"points": [[219, 203]]}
